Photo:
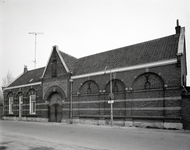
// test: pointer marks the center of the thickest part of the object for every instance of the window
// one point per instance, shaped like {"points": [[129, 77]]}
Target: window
{"points": [[54, 68], [20, 100], [10, 105], [32, 104]]}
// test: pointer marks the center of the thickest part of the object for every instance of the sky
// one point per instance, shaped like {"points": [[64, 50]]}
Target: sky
{"points": [[82, 27]]}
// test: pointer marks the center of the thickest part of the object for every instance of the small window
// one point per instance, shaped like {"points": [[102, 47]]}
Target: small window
{"points": [[31, 80], [32, 104], [10, 105], [54, 68]]}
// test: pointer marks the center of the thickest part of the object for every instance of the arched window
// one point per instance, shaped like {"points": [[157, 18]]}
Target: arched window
{"points": [[54, 68], [89, 87], [148, 81], [32, 101], [10, 98], [117, 86]]}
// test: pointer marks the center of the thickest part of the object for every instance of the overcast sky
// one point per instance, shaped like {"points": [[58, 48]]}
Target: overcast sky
{"points": [[82, 27]]}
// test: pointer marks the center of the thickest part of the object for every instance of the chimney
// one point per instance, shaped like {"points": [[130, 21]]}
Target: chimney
{"points": [[177, 28], [25, 69]]}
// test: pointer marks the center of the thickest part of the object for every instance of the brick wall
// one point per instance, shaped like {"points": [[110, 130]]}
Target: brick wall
{"points": [[41, 107], [150, 92], [186, 110]]}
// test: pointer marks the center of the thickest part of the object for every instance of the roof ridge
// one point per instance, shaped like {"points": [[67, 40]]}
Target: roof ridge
{"points": [[149, 51], [156, 39], [67, 54], [35, 69]]}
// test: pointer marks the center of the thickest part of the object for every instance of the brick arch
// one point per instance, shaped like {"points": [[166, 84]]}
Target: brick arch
{"points": [[17, 96], [119, 105], [117, 86], [54, 89], [9, 95], [89, 87], [149, 92], [31, 91], [89, 91], [148, 80]]}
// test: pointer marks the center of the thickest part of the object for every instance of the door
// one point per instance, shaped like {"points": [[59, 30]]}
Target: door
{"points": [[52, 114], [58, 114], [55, 110], [55, 113]]}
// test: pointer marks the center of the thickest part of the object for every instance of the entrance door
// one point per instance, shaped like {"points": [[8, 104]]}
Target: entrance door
{"points": [[55, 110], [52, 114], [55, 113]]}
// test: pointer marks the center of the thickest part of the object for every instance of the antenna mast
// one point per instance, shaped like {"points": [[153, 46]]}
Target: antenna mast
{"points": [[35, 33]]}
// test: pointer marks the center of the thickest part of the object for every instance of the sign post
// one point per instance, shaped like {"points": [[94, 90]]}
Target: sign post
{"points": [[110, 96], [111, 102]]}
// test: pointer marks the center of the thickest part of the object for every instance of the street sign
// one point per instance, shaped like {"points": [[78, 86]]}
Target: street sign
{"points": [[111, 102], [111, 96]]}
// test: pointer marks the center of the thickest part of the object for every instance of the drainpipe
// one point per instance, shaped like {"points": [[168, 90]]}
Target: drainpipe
{"points": [[71, 101]]}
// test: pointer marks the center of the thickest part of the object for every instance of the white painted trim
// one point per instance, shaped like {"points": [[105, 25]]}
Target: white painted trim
{"points": [[129, 100], [148, 65], [47, 63], [20, 86], [181, 42], [135, 108], [63, 62]]}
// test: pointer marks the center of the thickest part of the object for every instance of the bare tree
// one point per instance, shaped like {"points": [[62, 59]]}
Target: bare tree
{"points": [[1, 97], [8, 79]]}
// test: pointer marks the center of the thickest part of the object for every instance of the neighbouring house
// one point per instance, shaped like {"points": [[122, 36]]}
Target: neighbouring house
{"points": [[142, 85]]}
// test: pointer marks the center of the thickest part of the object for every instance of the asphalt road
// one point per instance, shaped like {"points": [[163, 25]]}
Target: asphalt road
{"points": [[56, 136]]}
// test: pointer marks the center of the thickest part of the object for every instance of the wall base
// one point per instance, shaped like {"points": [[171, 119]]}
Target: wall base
{"points": [[102, 121], [26, 119]]}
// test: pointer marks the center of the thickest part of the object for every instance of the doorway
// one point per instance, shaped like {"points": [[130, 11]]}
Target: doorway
{"points": [[55, 110]]}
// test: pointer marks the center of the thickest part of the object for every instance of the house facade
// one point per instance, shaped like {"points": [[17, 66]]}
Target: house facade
{"points": [[138, 85]]}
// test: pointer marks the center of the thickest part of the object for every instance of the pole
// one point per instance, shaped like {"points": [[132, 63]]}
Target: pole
{"points": [[111, 96], [35, 53], [35, 33], [71, 102]]}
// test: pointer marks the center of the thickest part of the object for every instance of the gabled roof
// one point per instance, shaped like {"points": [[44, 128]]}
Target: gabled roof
{"points": [[29, 77], [70, 61], [151, 51], [67, 60], [156, 50]]}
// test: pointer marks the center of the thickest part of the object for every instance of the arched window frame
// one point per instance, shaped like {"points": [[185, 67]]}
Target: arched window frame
{"points": [[32, 101]]}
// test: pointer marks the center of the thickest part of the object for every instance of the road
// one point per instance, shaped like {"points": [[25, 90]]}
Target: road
{"points": [[56, 136]]}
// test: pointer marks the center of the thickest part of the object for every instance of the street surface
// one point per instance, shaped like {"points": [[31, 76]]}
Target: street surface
{"points": [[20, 135]]}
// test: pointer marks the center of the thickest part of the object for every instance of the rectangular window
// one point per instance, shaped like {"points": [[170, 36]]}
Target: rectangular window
{"points": [[32, 104], [10, 105]]}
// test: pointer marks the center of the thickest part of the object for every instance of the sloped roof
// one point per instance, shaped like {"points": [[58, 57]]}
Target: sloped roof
{"points": [[69, 60], [151, 51], [29, 77]]}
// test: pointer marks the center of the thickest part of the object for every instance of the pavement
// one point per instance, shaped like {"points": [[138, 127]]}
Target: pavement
{"points": [[20, 135]]}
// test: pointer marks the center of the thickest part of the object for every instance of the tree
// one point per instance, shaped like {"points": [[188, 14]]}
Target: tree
{"points": [[6, 81], [1, 97]]}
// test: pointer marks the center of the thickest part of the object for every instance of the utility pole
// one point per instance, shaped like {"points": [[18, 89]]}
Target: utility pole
{"points": [[110, 96], [35, 33]]}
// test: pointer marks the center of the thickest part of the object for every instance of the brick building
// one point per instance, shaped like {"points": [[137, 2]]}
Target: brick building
{"points": [[145, 82]]}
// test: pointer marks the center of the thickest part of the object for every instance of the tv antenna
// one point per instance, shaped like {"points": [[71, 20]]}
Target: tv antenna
{"points": [[35, 33]]}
